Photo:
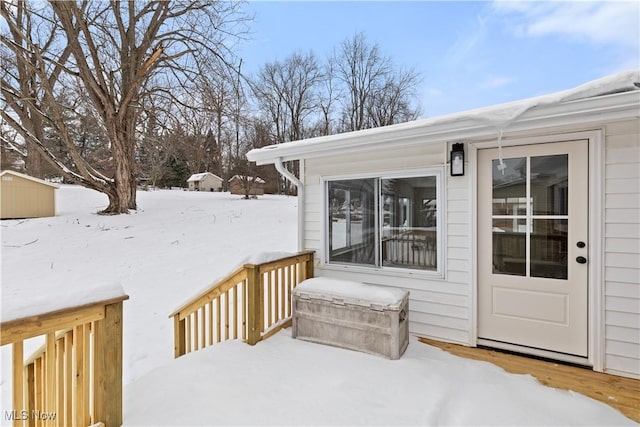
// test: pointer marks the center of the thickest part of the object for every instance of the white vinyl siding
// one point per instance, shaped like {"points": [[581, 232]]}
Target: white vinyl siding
{"points": [[439, 308], [622, 248]]}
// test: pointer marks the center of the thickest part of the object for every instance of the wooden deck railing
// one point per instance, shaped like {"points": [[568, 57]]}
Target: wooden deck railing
{"points": [[251, 304], [75, 378]]}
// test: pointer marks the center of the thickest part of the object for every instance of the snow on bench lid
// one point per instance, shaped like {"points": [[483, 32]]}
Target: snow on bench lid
{"points": [[356, 293]]}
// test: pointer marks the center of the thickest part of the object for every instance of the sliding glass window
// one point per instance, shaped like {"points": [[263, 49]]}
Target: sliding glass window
{"points": [[385, 221], [352, 221], [409, 225]]}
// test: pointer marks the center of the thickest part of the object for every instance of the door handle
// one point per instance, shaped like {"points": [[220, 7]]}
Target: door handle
{"points": [[581, 260]]}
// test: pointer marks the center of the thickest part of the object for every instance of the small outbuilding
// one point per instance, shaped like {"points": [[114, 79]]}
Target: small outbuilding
{"points": [[237, 185], [205, 181], [23, 196]]}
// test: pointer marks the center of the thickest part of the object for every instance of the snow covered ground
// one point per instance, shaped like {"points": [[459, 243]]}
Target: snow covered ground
{"points": [[176, 244]]}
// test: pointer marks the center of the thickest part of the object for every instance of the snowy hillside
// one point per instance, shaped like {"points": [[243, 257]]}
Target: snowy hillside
{"points": [[174, 245]]}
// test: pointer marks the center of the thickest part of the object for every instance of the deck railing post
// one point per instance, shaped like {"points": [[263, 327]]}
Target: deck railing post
{"points": [[254, 304], [108, 367], [308, 267], [179, 337]]}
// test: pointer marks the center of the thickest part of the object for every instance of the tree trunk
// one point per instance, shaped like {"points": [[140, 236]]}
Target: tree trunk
{"points": [[33, 162], [122, 195]]}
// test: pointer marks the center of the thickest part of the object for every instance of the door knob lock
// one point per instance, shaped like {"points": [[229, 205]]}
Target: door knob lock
{"points": [[581, 260]]}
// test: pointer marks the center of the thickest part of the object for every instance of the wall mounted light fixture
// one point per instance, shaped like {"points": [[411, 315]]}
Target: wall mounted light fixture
{"points": [[457, 159]]}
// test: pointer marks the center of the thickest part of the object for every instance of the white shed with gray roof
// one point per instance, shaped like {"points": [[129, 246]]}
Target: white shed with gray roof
{"points": [[205, 181]]}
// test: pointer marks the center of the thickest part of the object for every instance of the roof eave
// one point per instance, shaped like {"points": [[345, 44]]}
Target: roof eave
{"points": [[596, 109]]}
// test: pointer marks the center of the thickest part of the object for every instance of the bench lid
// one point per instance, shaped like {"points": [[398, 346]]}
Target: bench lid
{"points": [[349, 292]]}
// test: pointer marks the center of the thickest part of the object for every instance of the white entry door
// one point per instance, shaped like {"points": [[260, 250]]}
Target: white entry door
{"points": [[533, 246]]}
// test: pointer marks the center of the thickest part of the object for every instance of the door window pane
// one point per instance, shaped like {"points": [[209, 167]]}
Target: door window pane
{"points": [[510, 188], [352, 221], [549, 248], [550, 184], [509, 246], [409, 238]]}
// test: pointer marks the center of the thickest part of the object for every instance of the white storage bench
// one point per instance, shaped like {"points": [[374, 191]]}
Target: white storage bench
{"points": [[352, 315]]}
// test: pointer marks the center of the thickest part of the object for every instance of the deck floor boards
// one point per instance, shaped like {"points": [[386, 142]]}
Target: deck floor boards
{"points": [[618, 392]]}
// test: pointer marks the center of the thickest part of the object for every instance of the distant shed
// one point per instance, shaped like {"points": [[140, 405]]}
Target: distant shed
{"points": [[205, 181], [23, 196], [237, 183]]}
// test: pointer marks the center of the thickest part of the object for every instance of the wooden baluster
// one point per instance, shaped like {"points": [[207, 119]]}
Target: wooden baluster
{"points": [[276, 293], [210, 322], [107, 375], [50, 367], [188, 346], [68, 352], [39, 377], [226, 315], [18, 381], [31, 392], [243, 287], [236, 322], [196, 327], [218, 320], [268, 298], [203, 326], [78, 380], [87, 377], [59, 414]]}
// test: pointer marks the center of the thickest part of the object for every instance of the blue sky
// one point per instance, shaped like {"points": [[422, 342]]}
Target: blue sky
{"points": [[469, 54]]}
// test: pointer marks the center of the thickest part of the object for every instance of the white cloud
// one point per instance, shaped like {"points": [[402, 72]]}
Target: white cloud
{"points": [[469, 41], [433, 92], [614, 22], [494, 82]]}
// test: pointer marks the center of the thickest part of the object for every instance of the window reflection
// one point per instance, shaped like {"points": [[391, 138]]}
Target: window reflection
{"points": [[409, 237], [550, 184], [549, 248], [545, 210], [509, 246], [352, 221], [510, 188]]}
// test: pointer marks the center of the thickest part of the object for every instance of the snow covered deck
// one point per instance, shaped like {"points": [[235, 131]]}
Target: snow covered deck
{"points": [[283, 381]]}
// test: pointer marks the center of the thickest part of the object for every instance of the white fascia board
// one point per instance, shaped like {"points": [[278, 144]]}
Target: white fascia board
{"points": [[460, 126]]}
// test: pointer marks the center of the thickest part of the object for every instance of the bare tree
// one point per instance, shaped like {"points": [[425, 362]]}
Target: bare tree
{"points": [[375, 93], [11, 154], [287, 93], [120, 52], [327, 96], [361, 68], [219, 97], [255, 135], [391, 102], [23, 66]]}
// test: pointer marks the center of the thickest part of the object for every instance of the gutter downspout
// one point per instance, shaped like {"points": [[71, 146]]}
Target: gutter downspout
{"points": [[300, 186]]}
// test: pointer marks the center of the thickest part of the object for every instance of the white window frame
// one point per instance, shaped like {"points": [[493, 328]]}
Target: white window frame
{"points": [[438, 173]]}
